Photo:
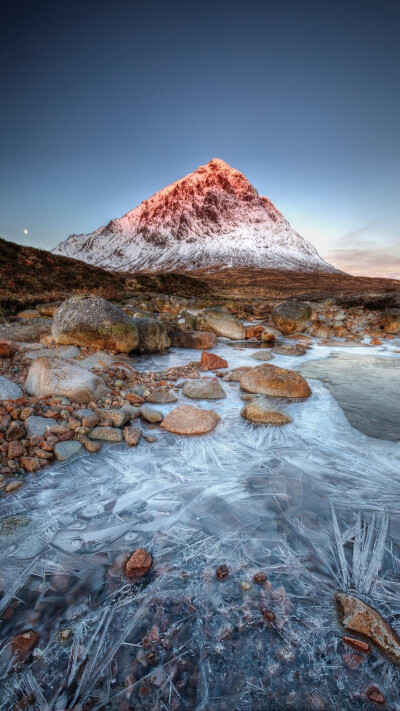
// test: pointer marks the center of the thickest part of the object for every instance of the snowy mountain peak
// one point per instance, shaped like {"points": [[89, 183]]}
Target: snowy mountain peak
{"points": [[211, 217]]}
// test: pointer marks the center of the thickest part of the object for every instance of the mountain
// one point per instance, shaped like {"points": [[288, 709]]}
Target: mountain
{"points": [[212, 217]]}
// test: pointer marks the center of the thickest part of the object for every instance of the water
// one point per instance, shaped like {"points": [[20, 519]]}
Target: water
{"points": [[314, 504]]}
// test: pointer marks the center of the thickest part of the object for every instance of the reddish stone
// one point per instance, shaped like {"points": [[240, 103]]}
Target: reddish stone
{"points": [[268, 615], [222, 572], [134, 399], [375, 342], [373, 694], [25, 641], [30, 464], [356, 644], [138, 564], [210, 361], [15, 450], [6, 349], [259, 578], [253, 331]]}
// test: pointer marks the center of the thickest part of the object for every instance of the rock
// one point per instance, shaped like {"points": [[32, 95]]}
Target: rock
{"points": [[60, 352], [92, 321], [10, 524], [276, 382], [268, 336], [48, 309], [259, 578], [188, 420], [201, 340], [359, 617], [13, 486], [66, 450], [268, 616], [7, 349], [132, 435], [30, 464], [151, 415], [27, 331], [260, 410], [222, 572], [221, 323], [356, 644], [153, 335], [375, 695], [203, 390], [36, 425], [138, 564], [391, 321], [233, 376], [106, 434], [134, 398], [25, 641], [15, 431], [210, 361], [288, 350], [262, 354], [9, 390], [291, 316], [253, 331], [161, 397], [101, 359], [56, 376], [15, 450], [90, 445], [117, 417], [28, 313]]}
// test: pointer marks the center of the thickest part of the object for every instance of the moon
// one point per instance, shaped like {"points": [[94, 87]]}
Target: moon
{"points": [[25, 232]]}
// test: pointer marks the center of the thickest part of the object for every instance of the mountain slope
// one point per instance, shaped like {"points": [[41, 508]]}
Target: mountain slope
{"points": [[211, 217]]}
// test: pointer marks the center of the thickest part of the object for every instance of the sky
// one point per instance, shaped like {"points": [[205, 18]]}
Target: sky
{"points": [[105, 102]]}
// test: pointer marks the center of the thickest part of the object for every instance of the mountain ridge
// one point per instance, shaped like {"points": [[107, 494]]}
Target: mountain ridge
{"points": [[211, 217]]}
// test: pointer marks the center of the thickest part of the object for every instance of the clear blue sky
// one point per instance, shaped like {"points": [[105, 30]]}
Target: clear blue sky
{"points": [[103, 103]]}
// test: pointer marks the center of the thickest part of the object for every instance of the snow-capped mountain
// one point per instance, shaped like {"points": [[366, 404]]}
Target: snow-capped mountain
{"points": [[392, 276], [212, 217]]}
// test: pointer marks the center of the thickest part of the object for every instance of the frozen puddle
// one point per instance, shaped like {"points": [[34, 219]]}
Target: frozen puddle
{"points": [[314, 504]]}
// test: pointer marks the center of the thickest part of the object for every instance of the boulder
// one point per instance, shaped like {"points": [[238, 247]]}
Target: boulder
{"points": [[161, 397], [9, 390], [391, 321], [221, 323], [188, 420], [291, 316], [260, 410], [201, 340], [234, 375], [203, 390], [94, 322], [27, 331], [270, 380], [210, 361], [56, 376], [153, 335]]}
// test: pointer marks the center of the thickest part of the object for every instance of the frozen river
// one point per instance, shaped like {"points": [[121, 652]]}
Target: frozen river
{"points": [[314, 504]]}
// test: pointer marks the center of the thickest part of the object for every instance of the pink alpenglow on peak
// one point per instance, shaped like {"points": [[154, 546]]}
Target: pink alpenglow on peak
{"points": [[213, 217]]}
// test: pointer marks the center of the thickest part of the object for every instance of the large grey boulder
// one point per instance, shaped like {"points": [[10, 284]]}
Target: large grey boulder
{"points": [[291, 316], [221, 323], [94, 322], [153, 335], [9, 390], [56, 376]]}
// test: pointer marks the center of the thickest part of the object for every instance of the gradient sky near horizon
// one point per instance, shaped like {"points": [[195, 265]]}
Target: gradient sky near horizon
{"points": [[103, 103]]}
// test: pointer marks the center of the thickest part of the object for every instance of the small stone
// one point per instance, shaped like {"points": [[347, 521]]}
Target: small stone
{"points": [[25, 641], [151, 415], [210, 361], [268, 615], [30, 464], [245, 586], [150, 439], [63, 635], [222, 571], [259, 578], [106, 434], [66, 450], [90, 445], [161, 396], [138, 564], [375, 695], [357, 644], [16, 449], [13, 486], [132, 435], [117, 417], [37, 425], [15, 432]]}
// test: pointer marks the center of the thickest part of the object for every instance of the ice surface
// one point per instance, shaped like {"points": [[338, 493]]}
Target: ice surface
{"points": [[314, 504]]}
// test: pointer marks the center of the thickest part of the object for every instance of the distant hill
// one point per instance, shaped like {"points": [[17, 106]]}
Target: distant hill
{"points": [[29, 276]]}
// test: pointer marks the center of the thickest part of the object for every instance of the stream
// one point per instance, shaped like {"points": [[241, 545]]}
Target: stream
{"points": [[314, 504]]}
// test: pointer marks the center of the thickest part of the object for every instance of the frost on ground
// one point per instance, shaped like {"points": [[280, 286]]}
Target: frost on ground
{"points": [[315, 505]]}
